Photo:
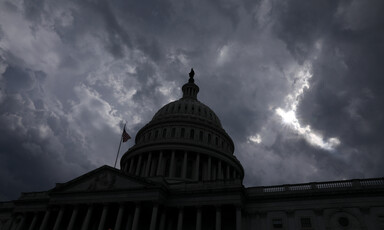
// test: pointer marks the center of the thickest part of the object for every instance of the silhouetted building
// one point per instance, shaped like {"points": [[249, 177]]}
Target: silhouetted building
{"points": [[182, 174]]}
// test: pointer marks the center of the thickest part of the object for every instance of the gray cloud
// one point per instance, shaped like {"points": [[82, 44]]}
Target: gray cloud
{"points": [[72, 71]]}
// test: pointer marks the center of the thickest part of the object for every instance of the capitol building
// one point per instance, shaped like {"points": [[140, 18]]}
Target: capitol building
{"points": [[182, 174]]}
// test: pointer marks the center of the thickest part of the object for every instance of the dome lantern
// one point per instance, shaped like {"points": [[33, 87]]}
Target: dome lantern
{"points": [[190, 89]]}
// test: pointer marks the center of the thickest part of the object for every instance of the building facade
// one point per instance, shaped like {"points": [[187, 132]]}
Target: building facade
{"points": [[182, 174]]}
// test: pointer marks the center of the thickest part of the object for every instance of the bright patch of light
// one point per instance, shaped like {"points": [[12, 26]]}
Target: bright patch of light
{"points": [[255, 139], [223, 54], [288, 116]]}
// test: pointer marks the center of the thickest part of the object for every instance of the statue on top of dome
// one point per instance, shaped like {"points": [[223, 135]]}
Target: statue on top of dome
{"points": [[191, 74]]}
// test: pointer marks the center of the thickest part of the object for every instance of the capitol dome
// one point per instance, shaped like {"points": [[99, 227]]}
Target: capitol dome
{"points": [[184, 141]]}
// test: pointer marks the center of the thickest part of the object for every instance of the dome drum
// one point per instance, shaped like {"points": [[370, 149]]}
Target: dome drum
{"points": [[182, 148], [182, 165]]}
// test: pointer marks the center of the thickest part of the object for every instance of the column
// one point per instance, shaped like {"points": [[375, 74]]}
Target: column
{"points": [[125, 167], [154, 217], [209, 167], [180, 219], [219, 170], [119, 216], [198, 218], [131, 165], [21, 224], [34, 220], [129, 222], [184, 168], [162, 219], [103, 217], [320, 220], [227, 173], [291, 219], [43, 225], [138, 166], [136, 217], [85, 225], [172, 165], [147, 169], [238, 218], [143, 167], [159, 164], [58, 219], [197, 166], [73, 218], [218, 218]]}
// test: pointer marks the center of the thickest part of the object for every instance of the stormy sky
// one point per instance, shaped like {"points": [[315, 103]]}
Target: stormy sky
{"points": [[298, 85]]}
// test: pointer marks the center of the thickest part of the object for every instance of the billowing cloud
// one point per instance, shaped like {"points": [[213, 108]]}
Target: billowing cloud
{"points": [[296, 84]]}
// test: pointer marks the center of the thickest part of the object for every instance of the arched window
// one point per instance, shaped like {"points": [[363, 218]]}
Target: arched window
{"points": [[173, 132], [201, 135], [182, 132], [164, 133]]}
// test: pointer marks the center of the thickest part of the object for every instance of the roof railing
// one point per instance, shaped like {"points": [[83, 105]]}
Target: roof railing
{"points": [[324, 186]]}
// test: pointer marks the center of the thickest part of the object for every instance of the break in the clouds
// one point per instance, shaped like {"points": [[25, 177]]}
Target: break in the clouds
{"points": [[297, 84]]}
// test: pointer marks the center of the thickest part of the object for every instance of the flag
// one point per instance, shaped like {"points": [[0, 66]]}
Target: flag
{"points": [[125, 135]]}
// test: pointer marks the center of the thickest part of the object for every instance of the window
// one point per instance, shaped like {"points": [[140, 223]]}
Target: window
{"points": [[164, 133], [217, 141], [201, 136], [343, 221], [173, 132], [182, 132], [156, 134], [209, 138], [277, 223], [306, 222], [192, 134], [149, 136]]}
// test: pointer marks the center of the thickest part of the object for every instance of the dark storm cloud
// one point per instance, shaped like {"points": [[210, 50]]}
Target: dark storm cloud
{"points": [[72, 71], [346, 98]]}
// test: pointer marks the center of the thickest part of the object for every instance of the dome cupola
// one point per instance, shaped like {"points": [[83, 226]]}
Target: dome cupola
{"points": [[184, 141], [190, 90]]}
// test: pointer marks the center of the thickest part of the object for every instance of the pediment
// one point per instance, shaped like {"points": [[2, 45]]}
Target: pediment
{"points": [[102, 179]]}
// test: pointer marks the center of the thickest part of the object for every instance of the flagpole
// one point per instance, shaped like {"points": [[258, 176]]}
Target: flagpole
{"points": [[118, 151]]}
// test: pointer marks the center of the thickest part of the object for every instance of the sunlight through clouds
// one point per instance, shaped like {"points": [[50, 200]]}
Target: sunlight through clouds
{"points": [[289, 118], [255, 139]]}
